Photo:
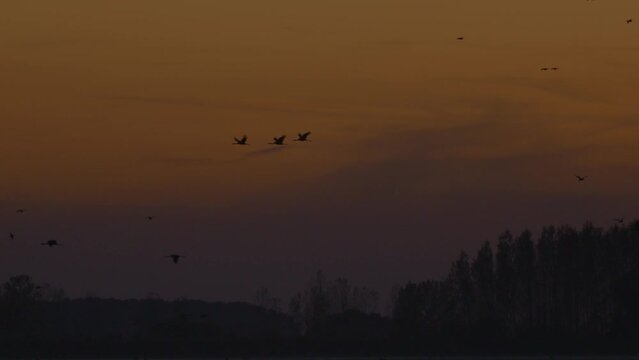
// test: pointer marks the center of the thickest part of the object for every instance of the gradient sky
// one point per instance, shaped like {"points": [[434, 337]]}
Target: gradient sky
{"points": [[422, 145]]}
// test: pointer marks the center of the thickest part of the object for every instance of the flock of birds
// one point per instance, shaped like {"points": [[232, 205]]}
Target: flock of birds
{"points": [[53, 243], [303, 137], [279, 140], [276, 140], [629, 21]]}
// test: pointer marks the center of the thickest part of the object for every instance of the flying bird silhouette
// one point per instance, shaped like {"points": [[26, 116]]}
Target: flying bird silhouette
{"points": [[51, 243], [241, 141], [581, 178], [544, 69], [619, 220], [20, 211], [150, 217], [278, 140], [554, 69], [12, 236], [303, 137], [628, 21], [175, 257], [460, 38]]}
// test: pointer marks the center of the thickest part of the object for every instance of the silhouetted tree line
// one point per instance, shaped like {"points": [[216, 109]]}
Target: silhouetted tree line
{"points": [[568, 291], [572, 291], [39, 321], [338, 318]]}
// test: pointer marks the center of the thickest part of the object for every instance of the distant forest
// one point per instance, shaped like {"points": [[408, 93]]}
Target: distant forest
{"points": [[570, 291]]}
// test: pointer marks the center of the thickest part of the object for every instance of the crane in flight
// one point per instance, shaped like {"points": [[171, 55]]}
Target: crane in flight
{"points": [[175, 257], [241, 141], [278, 140], [51, 243], [581, 178], [303, 136]]}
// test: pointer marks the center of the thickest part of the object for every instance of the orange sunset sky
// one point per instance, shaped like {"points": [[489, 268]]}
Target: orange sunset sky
{"points": [[422, 145]]}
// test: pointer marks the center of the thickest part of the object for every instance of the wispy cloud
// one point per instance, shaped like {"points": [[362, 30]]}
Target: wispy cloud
{"points": [[160, 100], [181, 161], [266, 151]]}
